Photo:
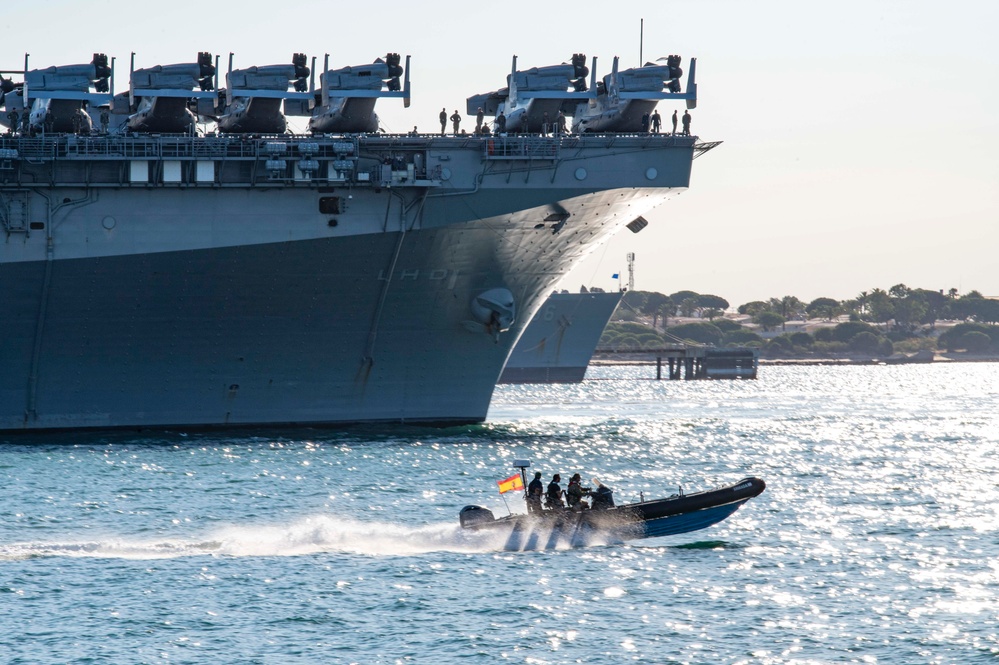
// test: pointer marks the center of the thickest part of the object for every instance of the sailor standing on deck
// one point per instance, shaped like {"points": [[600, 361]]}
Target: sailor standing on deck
{"points": [[444, 121], [674, 121], [657, 122], [553, 497], [455, 121], [479, 117], [686, 123]]}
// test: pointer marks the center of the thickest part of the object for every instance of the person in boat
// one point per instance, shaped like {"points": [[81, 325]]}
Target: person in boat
{"points": [[601, 498], [553, 497], [535, 490], [575, 492]]}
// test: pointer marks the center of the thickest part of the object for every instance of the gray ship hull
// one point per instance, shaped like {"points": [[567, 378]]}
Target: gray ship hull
{"points": [[557, 345], [237, 300]]}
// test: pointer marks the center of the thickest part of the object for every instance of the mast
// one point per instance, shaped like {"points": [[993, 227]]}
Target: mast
{"points": [[522, 464], [641, 41]]}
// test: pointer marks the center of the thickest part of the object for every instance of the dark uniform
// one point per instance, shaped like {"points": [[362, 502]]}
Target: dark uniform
{"points": [[553, 497], [534, 491], [602, 498], [575, 492], [444, 121]]}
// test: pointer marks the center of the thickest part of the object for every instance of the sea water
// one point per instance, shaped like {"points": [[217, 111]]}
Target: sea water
{"points": [[876, 541]]}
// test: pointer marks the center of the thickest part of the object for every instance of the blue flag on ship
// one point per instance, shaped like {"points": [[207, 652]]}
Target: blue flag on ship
{"points": [[615, 276]]}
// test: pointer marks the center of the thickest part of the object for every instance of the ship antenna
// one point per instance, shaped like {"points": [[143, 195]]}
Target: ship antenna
{"points": [[641, 41]]}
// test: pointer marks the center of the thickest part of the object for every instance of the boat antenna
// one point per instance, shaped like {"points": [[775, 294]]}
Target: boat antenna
{"points": [[522, 464]]}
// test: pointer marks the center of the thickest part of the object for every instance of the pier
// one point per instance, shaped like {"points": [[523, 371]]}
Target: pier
{"points": [[695, 362]]}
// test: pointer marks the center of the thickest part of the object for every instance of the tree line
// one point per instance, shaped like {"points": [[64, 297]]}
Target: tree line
{"points": [[876, 322]]}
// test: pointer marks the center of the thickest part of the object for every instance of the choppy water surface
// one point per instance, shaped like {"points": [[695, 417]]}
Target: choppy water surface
{"points": [[877, 540]]}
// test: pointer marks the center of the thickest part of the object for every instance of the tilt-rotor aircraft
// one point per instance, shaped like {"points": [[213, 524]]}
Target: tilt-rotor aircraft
{"points": [[159, 98], [617, 103], [253, 98], [624, 97], [536, 94], [57, 99], [345, 102]]}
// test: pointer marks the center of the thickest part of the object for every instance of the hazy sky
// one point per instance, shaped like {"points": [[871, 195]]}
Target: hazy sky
{"points": [[861, 138]]}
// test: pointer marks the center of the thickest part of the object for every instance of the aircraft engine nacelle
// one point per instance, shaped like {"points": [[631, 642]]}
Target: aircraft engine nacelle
{"points": [[206, 71], [394, 63], [102, 72], [298, 61], [581, 71]]}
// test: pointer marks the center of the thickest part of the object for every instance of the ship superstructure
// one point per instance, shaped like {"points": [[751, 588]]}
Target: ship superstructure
{"points": [[200, 281]]}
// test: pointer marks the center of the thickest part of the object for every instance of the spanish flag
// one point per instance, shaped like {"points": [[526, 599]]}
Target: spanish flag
{"points": [[511, 484]]}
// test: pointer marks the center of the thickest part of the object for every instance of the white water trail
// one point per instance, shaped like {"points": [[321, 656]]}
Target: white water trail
{"points": [[310, 535]]}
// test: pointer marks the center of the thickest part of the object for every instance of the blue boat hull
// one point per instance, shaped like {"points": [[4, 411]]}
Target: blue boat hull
{"points": [[560, 529]]}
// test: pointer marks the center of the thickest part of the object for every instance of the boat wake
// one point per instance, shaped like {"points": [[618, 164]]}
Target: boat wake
{"points": [[312, 535]]}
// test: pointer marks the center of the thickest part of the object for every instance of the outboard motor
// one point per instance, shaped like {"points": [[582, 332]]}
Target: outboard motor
{"points": [[473, 516]]}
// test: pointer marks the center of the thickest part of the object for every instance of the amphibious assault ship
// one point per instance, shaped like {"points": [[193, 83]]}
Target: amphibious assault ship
{"points": [[151, 279], [557, 345]]}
